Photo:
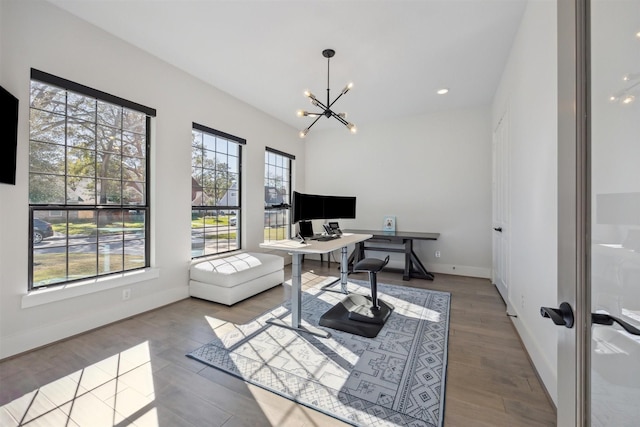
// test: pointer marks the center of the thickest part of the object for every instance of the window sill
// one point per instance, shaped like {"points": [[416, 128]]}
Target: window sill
{"points": [[86, 287]]}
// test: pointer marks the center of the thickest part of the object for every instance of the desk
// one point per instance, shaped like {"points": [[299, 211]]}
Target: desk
{"points": [[413, 267], [297, 250]]}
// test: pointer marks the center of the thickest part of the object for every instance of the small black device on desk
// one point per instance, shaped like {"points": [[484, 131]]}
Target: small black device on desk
{"points": [[306, 228], [333, 232], [332, 228]]}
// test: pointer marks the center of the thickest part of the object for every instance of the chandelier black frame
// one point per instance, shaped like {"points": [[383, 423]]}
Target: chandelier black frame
{"points": [[326, 108]]}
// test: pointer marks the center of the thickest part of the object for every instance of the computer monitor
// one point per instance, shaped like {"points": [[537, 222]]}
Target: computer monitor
{"points": [[314, 206], [306, 228]]}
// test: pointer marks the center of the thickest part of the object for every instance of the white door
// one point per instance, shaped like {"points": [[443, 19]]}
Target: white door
{"points": [[599, 251], [615, 210], [500, 188]]}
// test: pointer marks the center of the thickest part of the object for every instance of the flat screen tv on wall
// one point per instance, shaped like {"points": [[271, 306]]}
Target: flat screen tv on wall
{"points": [[8, 136]]}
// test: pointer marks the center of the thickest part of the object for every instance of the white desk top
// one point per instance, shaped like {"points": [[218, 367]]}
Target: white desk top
{"points": [[315, 246]]}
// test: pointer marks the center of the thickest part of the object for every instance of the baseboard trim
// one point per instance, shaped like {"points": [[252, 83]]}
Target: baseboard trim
{"points": [[16, 344], [514, 325], [460, 270], [457, 270]]}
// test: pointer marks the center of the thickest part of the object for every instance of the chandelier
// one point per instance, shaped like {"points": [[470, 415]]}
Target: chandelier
{"points": [[326, 108], [627, 95]]}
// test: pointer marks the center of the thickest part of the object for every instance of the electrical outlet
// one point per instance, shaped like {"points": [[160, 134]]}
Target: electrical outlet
{"points": [[126, 294], [437, 254]]}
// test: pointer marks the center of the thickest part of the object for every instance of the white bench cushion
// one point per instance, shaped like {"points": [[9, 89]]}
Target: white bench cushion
{"points": [[232, 278], [232, 270]]}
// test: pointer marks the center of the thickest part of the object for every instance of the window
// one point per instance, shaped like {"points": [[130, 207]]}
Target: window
{"points": [[277, 194], [88, 182], [215, 191]]}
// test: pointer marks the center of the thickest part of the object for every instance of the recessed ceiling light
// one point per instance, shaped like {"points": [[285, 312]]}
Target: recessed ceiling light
{"points": [[638, 34], [442, 91]]}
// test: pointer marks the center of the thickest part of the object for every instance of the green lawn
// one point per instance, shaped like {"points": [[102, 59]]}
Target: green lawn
{"points": [[52, 267], [275, 233], [89, 228], [210, 220]]}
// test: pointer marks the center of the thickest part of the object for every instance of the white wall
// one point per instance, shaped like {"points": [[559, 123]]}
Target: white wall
{"points": [[433, 172], [39, 35], [528, 90]]}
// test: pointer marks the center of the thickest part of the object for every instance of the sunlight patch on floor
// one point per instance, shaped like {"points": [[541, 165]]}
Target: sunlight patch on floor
{"points": [[115, 391]]}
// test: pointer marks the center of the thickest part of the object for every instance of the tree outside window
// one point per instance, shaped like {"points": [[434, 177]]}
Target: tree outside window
{"points": [[215, 191], [88, 176], [277, 194]]}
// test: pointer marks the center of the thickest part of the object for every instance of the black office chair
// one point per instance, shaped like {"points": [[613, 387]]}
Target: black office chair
{"points": [[359, 314], [374, 311]]}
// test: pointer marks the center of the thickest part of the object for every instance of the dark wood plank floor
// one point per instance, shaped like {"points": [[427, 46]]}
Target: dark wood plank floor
{"points": [[135, 372]]}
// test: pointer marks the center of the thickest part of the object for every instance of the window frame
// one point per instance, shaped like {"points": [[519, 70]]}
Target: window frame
{"points": [[240, 142], [267, 209], [98, 208]]}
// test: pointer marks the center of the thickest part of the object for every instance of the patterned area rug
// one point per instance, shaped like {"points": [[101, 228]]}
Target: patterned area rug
{"points": [[395, 379]]}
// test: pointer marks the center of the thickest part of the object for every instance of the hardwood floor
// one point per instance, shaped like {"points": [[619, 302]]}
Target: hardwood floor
{"points": [[137, 369]]}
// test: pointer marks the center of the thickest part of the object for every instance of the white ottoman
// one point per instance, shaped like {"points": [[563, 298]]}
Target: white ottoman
{"points": [[232, 278]]}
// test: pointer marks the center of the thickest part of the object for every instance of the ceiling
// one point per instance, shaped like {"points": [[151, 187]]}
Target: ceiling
{"points": [[267, 52]]}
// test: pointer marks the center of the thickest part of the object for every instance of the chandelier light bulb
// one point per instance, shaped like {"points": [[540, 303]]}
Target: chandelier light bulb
{"points": [[613, 98], [352, 127], [304, 133], [628, 99], [301, 113], [347, 88], [630, 77], [343, 115]]}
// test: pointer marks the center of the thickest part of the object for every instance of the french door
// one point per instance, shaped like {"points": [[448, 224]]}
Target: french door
{"points": [[599, 211]]}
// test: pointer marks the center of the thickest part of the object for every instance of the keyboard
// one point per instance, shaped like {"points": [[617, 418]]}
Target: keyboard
{"points": [[325, 238]]}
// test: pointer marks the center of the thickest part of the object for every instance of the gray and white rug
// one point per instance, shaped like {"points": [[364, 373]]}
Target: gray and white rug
{"points": [[394, 379]]}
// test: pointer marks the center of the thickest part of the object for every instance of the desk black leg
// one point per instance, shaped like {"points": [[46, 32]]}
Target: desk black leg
{"points": [[357, 254], [408, 250], [360, 247], [352, 258], [420, 267]]}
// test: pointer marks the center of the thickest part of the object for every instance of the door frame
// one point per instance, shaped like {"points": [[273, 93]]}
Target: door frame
{"points": [[574, 218], [501, 207]]}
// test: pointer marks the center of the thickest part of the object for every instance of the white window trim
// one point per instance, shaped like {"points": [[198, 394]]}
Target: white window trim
{"points": [[86, 287]]}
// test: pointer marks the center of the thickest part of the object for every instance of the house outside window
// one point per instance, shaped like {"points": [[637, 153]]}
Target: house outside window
{"points": [[88, 182], [216, 159], [277, 194]]}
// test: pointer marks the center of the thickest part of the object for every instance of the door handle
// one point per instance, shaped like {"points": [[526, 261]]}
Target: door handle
{"points": [[499, 229], [562, 316], [606, 319]]}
